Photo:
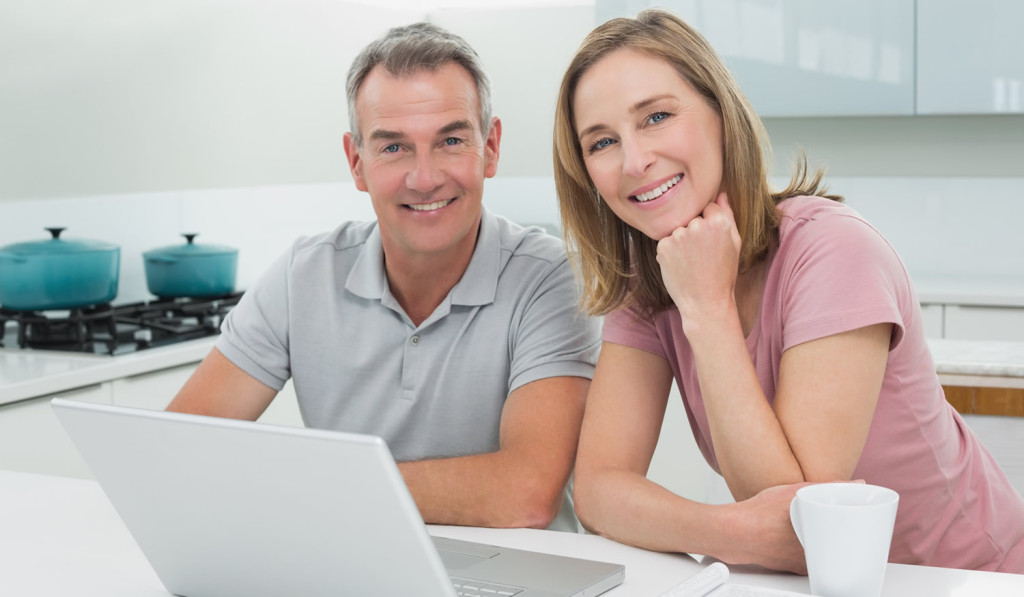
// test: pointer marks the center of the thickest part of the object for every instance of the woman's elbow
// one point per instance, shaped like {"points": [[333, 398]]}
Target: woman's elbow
{"points": [[585, 502]]}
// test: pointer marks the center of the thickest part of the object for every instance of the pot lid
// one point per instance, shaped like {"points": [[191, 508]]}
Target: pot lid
{"points": [[59, 246], [191, 249]]}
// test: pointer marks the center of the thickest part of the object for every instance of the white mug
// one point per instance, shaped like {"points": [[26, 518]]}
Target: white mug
{"points": [[846, 530]]}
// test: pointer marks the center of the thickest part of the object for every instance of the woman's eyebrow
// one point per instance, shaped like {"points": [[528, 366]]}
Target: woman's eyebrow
{"points": [[637, 107]]}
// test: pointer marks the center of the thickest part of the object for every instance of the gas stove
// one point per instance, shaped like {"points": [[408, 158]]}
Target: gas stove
{"points": [[109, 329]]}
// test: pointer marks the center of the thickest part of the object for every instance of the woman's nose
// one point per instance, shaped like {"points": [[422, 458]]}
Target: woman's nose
{"points": [[637, 158]]}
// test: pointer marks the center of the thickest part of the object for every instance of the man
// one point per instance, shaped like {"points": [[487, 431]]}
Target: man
{"points": [[450, 332]]}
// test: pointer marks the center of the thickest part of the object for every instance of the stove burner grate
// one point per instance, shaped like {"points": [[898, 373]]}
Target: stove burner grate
{"points": [[117, 329]]}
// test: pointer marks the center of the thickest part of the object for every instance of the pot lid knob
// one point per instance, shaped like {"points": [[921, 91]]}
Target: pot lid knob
{"points": [[190, 236], [56, 232]]}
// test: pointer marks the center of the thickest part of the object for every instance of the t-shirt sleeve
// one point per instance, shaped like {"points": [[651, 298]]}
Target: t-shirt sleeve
{"points": [[625, 326], [553, 338], [840, 274], [254, 335]]}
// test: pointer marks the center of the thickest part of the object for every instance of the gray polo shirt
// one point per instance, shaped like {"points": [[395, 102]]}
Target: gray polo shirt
{"points": [[323, 314]]}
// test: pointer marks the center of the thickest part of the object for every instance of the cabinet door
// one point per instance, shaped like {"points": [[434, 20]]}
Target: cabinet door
{"points": [[932, 317], [33, 440], [806, 57], [969, 56], [153, 390], [984, 323]]}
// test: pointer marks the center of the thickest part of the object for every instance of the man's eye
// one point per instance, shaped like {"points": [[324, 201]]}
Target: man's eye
{"points": [[392, 148], [452, 141]]}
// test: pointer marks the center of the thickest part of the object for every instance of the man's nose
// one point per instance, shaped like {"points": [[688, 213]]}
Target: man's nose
{"points": [[425, 175], [637, 157]]}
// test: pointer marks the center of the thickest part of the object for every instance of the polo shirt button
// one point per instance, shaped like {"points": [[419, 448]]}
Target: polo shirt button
{"points": [[415, 340]]}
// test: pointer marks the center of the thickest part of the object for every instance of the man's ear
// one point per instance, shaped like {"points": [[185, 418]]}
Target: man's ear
{"points": [[492, 148], [355, 161]]}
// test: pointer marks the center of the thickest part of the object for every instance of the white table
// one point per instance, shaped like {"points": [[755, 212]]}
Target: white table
{"points": [[60, 537]]}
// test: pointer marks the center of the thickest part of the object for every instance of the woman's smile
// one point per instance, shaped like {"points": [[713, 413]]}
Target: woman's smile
{"points": [[652, 144]]}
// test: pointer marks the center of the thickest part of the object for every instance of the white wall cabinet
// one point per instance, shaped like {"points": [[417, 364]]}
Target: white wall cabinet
{"points": [[806, 57], [862, 58], [969, 56]]}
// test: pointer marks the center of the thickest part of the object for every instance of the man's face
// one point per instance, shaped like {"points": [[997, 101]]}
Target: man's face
{"points": [[423, 160]]}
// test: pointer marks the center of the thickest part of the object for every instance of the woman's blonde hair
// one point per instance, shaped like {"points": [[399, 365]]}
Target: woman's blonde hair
{"points": [[616, 263]]}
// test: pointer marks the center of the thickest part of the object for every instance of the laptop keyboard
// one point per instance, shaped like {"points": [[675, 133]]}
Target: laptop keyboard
{"points": [[474, 588]]}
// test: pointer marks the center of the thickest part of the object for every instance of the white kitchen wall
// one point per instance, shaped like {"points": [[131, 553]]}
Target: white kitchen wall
{"points": [[944, 225], [525, 50], [260, 221], [114, 97]]}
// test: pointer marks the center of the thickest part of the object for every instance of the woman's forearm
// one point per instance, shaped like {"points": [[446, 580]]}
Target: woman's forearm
{"points": [[752, 449], [631, 509]]}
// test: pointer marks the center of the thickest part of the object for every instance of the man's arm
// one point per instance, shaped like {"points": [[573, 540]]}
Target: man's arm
{"points": [[218, 388], [522, 483]]}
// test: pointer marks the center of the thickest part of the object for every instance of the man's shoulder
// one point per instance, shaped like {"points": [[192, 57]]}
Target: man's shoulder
{"points": [[348, 235], [529, 243]]}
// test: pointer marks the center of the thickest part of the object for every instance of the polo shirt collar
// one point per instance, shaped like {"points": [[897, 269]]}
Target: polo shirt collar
{"points": [[478, 285]]}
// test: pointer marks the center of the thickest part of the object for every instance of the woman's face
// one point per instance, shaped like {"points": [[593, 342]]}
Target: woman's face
{"points": [[651, 143]]}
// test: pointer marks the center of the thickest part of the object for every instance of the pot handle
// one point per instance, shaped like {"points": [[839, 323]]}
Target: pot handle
{"points": [[162, 259]]}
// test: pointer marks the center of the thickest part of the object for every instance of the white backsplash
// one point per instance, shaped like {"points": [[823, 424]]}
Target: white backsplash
{"points": [[955, 226], [946, 226]]}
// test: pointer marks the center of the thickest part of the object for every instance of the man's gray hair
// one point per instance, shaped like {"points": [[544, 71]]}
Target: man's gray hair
{"points": [[403, 51]]}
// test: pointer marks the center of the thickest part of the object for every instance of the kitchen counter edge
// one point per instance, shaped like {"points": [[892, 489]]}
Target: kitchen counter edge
{"points": [[90, 370]]}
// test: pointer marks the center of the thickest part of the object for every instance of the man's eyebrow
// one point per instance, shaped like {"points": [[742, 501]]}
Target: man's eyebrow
{"points": [[454, 127], [386, 135], [640, 105]]}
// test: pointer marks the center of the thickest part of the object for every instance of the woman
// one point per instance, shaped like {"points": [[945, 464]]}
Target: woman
{"points": [[789, 324]]}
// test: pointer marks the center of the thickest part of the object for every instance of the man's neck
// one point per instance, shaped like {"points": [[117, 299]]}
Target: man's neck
{"points": [[420, 282]]}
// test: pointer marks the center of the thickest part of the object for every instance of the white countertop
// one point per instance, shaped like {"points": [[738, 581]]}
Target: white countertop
{"points": [[28, 374], [975, 357], [31, 373], [62, 537]]}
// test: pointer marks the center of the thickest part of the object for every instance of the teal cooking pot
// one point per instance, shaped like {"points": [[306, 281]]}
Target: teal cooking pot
{"points": [[58, 273], [191, 270]]}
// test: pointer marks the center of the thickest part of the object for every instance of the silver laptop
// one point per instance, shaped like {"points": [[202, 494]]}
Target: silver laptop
{"points": [[225, 508]]}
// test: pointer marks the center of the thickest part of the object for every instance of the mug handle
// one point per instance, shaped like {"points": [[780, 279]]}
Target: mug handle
{"points": [[794, 517]]}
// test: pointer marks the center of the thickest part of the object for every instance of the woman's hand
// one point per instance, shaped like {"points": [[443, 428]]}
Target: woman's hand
{"points": [[699, 261], [761, 533]]}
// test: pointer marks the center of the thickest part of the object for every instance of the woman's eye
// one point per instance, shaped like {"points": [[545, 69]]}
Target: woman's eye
{"points": [[657, 117], [600, 144]]}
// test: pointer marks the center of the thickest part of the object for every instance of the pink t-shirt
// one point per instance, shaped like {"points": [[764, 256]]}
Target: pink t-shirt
{"points": [[830, 273]]}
